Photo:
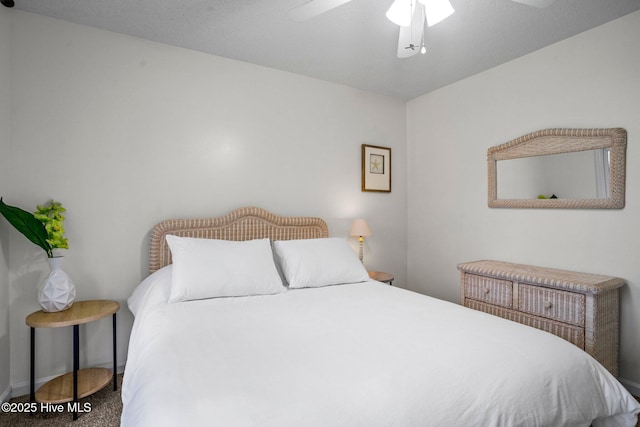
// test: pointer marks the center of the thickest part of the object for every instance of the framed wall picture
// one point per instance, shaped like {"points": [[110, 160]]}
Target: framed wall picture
{"points": [[376, 168]]}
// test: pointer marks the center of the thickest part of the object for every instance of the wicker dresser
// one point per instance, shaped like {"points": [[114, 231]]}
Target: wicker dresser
{"points": [[579, 307]]}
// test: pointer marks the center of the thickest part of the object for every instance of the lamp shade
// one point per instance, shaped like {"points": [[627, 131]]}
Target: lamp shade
{"points": [[360, 228]]}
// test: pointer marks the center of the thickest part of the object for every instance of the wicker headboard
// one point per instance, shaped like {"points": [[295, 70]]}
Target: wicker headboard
{"points": [[241, 224]]}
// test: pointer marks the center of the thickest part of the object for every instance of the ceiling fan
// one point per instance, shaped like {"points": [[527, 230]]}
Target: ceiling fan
{"points": [[410, 15]]}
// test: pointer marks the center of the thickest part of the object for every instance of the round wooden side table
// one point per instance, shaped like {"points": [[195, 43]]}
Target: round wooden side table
{"points": [[79, 383], [381, 276]]}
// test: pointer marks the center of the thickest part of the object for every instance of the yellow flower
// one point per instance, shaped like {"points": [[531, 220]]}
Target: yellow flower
{"points": [[51, 217]]}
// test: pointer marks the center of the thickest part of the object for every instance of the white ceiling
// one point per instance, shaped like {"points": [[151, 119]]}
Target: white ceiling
{"points": [[354, 44]]}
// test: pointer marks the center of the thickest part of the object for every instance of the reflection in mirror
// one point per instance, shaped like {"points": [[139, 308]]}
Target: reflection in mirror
{"points": [[559, 168], [577, 175]]}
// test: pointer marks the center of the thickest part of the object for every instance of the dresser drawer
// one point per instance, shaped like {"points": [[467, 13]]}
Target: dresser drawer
{"points": [[573, 334], [488, 289], [567, 307]]}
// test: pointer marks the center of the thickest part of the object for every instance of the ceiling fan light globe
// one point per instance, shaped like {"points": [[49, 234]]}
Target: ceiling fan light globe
{"points": [[437, 10], [401, 12]]}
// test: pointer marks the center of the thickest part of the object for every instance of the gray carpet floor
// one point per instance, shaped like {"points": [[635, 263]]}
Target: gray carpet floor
{"points": [[106, 407]]}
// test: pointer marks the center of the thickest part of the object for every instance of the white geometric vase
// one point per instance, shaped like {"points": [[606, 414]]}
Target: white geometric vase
{"points": [[58, 291]]}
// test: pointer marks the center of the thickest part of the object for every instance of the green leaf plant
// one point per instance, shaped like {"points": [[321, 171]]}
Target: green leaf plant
{"points": [[44, 227]]}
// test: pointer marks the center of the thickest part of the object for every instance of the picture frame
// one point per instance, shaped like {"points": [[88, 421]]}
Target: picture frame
{"points": [[376, 168]]}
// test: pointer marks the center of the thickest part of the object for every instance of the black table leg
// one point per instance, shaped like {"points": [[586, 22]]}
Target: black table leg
{"points": [[76, 365], [115, 367], [32, 369]]}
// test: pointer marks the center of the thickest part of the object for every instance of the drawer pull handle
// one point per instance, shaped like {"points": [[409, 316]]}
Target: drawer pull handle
{"points": [[485, 290], [547, 304]]}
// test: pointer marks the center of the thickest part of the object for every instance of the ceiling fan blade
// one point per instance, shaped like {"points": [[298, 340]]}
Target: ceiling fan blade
{"points": [[404, 41], [313, 8], [410, 39], [536, 3], [437, 10], [401, 12]]}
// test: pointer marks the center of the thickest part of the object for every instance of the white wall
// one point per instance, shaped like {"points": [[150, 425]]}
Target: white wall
{"points": [[127, 132], [590, 80], [5, 55]]}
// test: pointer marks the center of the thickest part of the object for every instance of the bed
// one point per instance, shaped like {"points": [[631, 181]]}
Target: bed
{"points": [[319, 353]]}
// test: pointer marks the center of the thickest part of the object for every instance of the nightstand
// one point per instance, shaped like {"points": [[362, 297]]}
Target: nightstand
{"points": [[382, 277], [80, 382]]}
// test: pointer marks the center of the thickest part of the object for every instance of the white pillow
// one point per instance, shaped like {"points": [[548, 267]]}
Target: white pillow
{"points": [[311, 263], [154, 289], [209, 268]]}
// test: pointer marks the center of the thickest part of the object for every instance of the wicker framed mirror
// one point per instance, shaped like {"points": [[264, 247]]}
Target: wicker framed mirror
{"points": [[559, 168]]}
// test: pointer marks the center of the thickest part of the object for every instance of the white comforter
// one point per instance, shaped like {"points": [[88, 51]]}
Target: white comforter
{"points": [[362, 354]]}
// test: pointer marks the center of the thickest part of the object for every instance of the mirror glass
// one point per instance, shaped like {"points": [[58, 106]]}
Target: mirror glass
{"points": [[559, 168], [577, 175]]}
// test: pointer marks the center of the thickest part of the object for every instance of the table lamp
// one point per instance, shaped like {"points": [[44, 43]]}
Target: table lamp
{"points": [[360, 229]]}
